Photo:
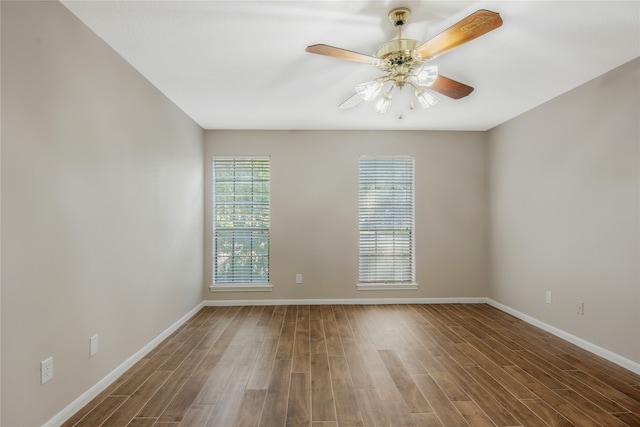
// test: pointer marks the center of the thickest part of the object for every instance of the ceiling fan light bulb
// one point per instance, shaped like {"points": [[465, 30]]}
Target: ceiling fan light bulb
{"points": [[426, 98], [425, 76], [369, 90]]}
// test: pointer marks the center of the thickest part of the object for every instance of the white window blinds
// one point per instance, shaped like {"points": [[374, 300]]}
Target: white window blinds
{"points": [[241, 209], [386, 219]]}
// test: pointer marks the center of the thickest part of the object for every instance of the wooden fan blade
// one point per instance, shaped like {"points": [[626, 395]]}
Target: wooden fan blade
{"points": [[336, 52], [450, 88], [471, 27]]}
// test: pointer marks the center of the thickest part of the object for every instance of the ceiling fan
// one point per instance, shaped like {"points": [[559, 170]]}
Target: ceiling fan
{"points": [[403, 62]]}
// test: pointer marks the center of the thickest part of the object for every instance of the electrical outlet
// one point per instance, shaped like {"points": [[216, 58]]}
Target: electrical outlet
{"points": [[93, 345], [46, 370], [298, 279], [580, 307], [549, 297]]}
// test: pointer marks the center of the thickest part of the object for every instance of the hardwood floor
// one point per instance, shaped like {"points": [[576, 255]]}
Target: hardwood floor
{"points": [[366, 365]]}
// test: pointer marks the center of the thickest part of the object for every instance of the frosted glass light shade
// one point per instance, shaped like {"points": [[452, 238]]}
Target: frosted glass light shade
{"points": [[369, 90], [383, 104], [425, 76], [426, 98]]}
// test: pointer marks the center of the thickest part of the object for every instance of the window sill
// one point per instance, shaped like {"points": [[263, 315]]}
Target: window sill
{"points": [[386, 286], [237, 287]]}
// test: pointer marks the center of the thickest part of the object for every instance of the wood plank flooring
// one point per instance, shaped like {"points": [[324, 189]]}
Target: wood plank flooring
{"points": [[365, 365]]}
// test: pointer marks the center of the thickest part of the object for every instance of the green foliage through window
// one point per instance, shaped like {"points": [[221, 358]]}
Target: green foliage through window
{"points": [[241, 209]]}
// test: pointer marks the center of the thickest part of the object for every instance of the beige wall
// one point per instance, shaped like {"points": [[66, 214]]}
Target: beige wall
{"points": [[101, 210], [565, 188], [314, 202]]}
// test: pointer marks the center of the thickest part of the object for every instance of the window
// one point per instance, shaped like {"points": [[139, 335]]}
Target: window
{"points": [[386, 223], [241, 208]]}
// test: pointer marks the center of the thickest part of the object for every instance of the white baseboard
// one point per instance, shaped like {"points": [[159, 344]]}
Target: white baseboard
{"points": [[355, 301], [101, 385], [602, 352]]}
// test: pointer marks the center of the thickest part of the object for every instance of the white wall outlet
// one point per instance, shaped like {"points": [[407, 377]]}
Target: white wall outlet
{"points": [[46, 370], [549, 297], [580, 307], [298, 279], [93, 345]]}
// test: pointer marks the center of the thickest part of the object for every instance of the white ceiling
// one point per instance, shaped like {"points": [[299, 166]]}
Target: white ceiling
{"points": [[243, 65]]}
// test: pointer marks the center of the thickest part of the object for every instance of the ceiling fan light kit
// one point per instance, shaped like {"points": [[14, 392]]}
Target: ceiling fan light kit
{"points": [[403, 62]]}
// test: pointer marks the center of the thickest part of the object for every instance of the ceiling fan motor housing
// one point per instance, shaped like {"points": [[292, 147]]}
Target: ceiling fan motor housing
{"points": [[397, 51], [398, 59]]}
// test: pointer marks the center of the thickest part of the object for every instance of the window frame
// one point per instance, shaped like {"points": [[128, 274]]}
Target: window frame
{"points": [[237, 286], [388, 284]]}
